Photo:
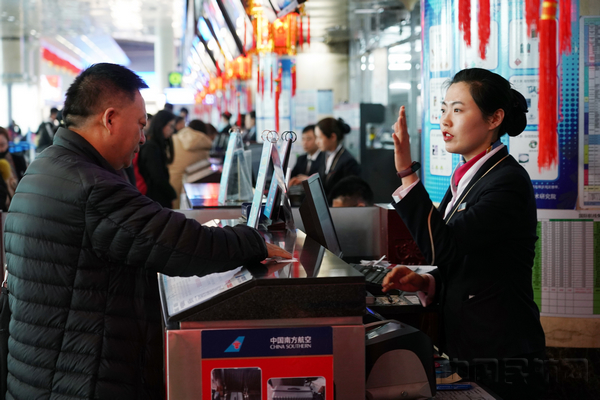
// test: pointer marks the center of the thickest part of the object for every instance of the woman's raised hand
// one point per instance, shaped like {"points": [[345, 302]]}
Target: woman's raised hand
{"points": [[402, 157], [401, 142]]}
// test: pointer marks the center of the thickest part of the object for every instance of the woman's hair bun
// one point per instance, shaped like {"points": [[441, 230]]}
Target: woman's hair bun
{"points": [[516, 120], [344, 127]]}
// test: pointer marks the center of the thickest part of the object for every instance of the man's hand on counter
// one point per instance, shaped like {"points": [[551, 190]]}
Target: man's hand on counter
{"points": [[276, 251], [405, 279]]}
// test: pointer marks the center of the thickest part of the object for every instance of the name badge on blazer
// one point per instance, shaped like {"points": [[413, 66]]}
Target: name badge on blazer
{"points": [[462, 207]]}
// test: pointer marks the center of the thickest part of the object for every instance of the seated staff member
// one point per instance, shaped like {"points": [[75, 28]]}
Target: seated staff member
{"points": [[482, 237], [309, 163], [351, 191], [339, 163]]}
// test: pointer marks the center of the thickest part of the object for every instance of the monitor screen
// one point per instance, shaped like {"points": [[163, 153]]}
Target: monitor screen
{"points": [[316, 217]]}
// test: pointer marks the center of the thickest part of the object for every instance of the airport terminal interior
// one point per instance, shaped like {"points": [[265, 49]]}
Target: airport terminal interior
{"points": [[283, 115]]}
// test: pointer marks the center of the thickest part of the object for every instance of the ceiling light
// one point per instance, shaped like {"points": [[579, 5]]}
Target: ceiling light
{"points": [[400, 86]]}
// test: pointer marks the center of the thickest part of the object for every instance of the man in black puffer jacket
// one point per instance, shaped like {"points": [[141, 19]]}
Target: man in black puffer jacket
{"points": [[84, 248]]}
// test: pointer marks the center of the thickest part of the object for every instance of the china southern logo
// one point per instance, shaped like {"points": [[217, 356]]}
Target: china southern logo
{"points": [[236, 345]]}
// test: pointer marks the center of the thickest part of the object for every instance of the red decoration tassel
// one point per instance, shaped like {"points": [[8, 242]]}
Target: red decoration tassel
{"points": [[484, 26], [301, 33], [293, 80], [564, 28], [272, 87], [248, 99], [532, 15], [308, 30], [239, 110], [277, 95], [548, 153], [464, 20], [258, 79]]}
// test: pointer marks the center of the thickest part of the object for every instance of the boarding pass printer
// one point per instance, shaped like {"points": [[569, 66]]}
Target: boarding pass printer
{"points": [[399, 362]]}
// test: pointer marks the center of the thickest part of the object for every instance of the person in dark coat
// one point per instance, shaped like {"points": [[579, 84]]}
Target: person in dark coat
{"points": [[17, 162], [84, 246], [482, 237], [46, 131], [155, 156], [338, 162], [309, 163]]}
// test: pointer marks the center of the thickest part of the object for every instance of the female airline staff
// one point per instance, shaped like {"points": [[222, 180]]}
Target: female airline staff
{"points": [[339, 163], [482, 237]]}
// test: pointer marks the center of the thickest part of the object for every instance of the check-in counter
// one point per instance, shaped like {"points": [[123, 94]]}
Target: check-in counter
{"points": [[267, 328]]}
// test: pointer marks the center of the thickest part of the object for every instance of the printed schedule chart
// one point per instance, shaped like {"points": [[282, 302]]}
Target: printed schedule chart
{"points": [[566, 274], [589, 121]]}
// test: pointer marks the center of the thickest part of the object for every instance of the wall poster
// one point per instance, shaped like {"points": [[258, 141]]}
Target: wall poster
{"points": [[512, 52]]}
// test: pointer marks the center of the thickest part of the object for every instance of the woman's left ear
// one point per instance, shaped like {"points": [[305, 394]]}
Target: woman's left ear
{"points": [[496, 118]]}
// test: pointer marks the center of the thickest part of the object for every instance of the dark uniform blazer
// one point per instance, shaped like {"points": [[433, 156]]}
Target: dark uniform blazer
{"points": [[302, 161], [343, 165], [484, 251]]}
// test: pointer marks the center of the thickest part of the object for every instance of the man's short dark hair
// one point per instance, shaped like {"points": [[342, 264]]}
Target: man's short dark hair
{"points": [[183, 109], [53, 111], [197, 125], [96, 86], [352, 188], [308, 128], [253, 114]]}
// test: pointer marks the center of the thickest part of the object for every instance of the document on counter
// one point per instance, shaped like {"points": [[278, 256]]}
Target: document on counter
{"points": [[475, 393], [422, 269], [183, 293]]}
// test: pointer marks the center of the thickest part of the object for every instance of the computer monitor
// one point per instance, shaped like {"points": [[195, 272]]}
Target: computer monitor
{"points": [[316, 217]]}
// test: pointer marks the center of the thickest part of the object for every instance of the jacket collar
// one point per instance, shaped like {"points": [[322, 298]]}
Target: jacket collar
{"points": [[484, 168], [75, 142]]}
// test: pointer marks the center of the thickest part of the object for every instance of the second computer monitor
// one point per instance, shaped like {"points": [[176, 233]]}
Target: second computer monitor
{"points": [[316, 217]]}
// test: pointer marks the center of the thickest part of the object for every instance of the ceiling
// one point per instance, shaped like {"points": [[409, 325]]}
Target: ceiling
{"points": [[127, 28]]}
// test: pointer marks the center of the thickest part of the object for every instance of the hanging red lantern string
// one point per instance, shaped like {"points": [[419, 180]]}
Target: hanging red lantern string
{"points": [[272, 88], [532, 14], [308, 30], [293, 79], [258, 79], [548, 153], [277, 95], [249, 99], [464, 20], [564, 28], [239, 109], [484, 26], [262, 85], [301, 32]]}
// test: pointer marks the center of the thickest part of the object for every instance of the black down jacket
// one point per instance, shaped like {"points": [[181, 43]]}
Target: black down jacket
{"points": [[83, 249]]}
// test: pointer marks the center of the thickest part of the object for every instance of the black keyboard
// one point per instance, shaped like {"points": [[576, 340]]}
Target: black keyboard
{"points": [[373, 277]]}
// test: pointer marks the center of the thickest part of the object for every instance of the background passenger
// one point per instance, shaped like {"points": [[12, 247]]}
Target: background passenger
{"points": [[154, 157], [190, 146]]}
